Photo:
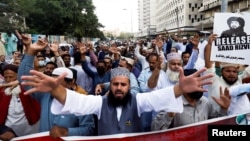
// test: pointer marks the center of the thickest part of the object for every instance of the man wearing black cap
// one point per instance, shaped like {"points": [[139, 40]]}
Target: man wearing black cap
{"points": [[236, 27]]}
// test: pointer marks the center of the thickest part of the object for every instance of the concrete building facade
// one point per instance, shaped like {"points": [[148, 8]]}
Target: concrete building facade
{"points": [[185, 16]]}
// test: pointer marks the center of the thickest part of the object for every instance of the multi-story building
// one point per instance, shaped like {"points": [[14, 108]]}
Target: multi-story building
{"points": [[147, 22], [171, 16], [212, 6], [177, 15]]}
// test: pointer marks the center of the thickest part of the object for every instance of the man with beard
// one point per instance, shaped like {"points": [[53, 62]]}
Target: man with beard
{"points": [[196, 108], [49, 67], [119, 111], [144, 78], [236, 27], [66, 59], [150, 79], [174, 62], [229, 77]]}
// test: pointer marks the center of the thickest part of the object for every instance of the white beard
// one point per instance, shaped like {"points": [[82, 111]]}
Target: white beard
{"points": [[15, 91], [173, 76]]}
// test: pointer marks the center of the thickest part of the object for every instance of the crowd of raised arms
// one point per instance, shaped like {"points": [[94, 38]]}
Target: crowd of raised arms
{"points": [[110, 87]]}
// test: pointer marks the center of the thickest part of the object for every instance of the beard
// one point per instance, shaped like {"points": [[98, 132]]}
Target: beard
{"points": [[173, 76], [118, 101], [229, 82], [47, 73]]}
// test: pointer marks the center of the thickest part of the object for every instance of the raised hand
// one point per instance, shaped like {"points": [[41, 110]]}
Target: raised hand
{"points": [[41, 82], [113, 50], [195, 41], [54, 46], [194, 82], [38, 46], [224, 100], [26, 40], [82, 48], [98, 89], [211, 38], [12, 84], [90, 46], [159, 42]]}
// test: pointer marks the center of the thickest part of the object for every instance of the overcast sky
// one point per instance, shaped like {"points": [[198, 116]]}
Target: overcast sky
{"points": [[114, 14]]}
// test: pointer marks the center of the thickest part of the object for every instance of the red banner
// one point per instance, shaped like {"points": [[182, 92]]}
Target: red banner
{"points": [[193, 132]]}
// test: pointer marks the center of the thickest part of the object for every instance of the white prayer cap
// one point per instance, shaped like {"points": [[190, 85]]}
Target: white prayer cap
{"points": [[184, 38], [173, 56], [130, 61], [60, 70], [120, 71], [224, 64]]}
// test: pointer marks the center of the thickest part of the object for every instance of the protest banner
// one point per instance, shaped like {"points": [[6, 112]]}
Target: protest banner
{"points": [[233, 42], [193, 132]]}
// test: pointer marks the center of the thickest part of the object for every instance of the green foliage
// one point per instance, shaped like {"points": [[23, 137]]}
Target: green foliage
{"points": [[9, 19], [54, 17], [125, 35]]}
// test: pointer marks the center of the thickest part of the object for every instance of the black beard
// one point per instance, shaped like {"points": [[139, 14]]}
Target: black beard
{"points": [[118, 102], [229, 82], [195, 95], [49, 74]]}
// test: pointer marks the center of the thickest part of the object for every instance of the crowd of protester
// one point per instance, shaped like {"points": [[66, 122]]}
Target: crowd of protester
{"points": [[109, 88]]}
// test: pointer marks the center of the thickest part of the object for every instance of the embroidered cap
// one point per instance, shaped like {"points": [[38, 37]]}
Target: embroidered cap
{"points": [[173, 56], [120, 71]]}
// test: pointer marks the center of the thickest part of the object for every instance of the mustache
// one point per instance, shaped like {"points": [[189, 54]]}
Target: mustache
{"points": [[118, 91]]}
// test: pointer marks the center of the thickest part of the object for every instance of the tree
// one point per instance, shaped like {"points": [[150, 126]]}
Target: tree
{"points": [[58, 17], [125, 35], [9, 18]]}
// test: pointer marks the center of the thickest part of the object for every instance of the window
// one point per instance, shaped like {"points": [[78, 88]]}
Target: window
{"points": [[192, 9], [189, 17], [190, 5], [195, 5]]}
